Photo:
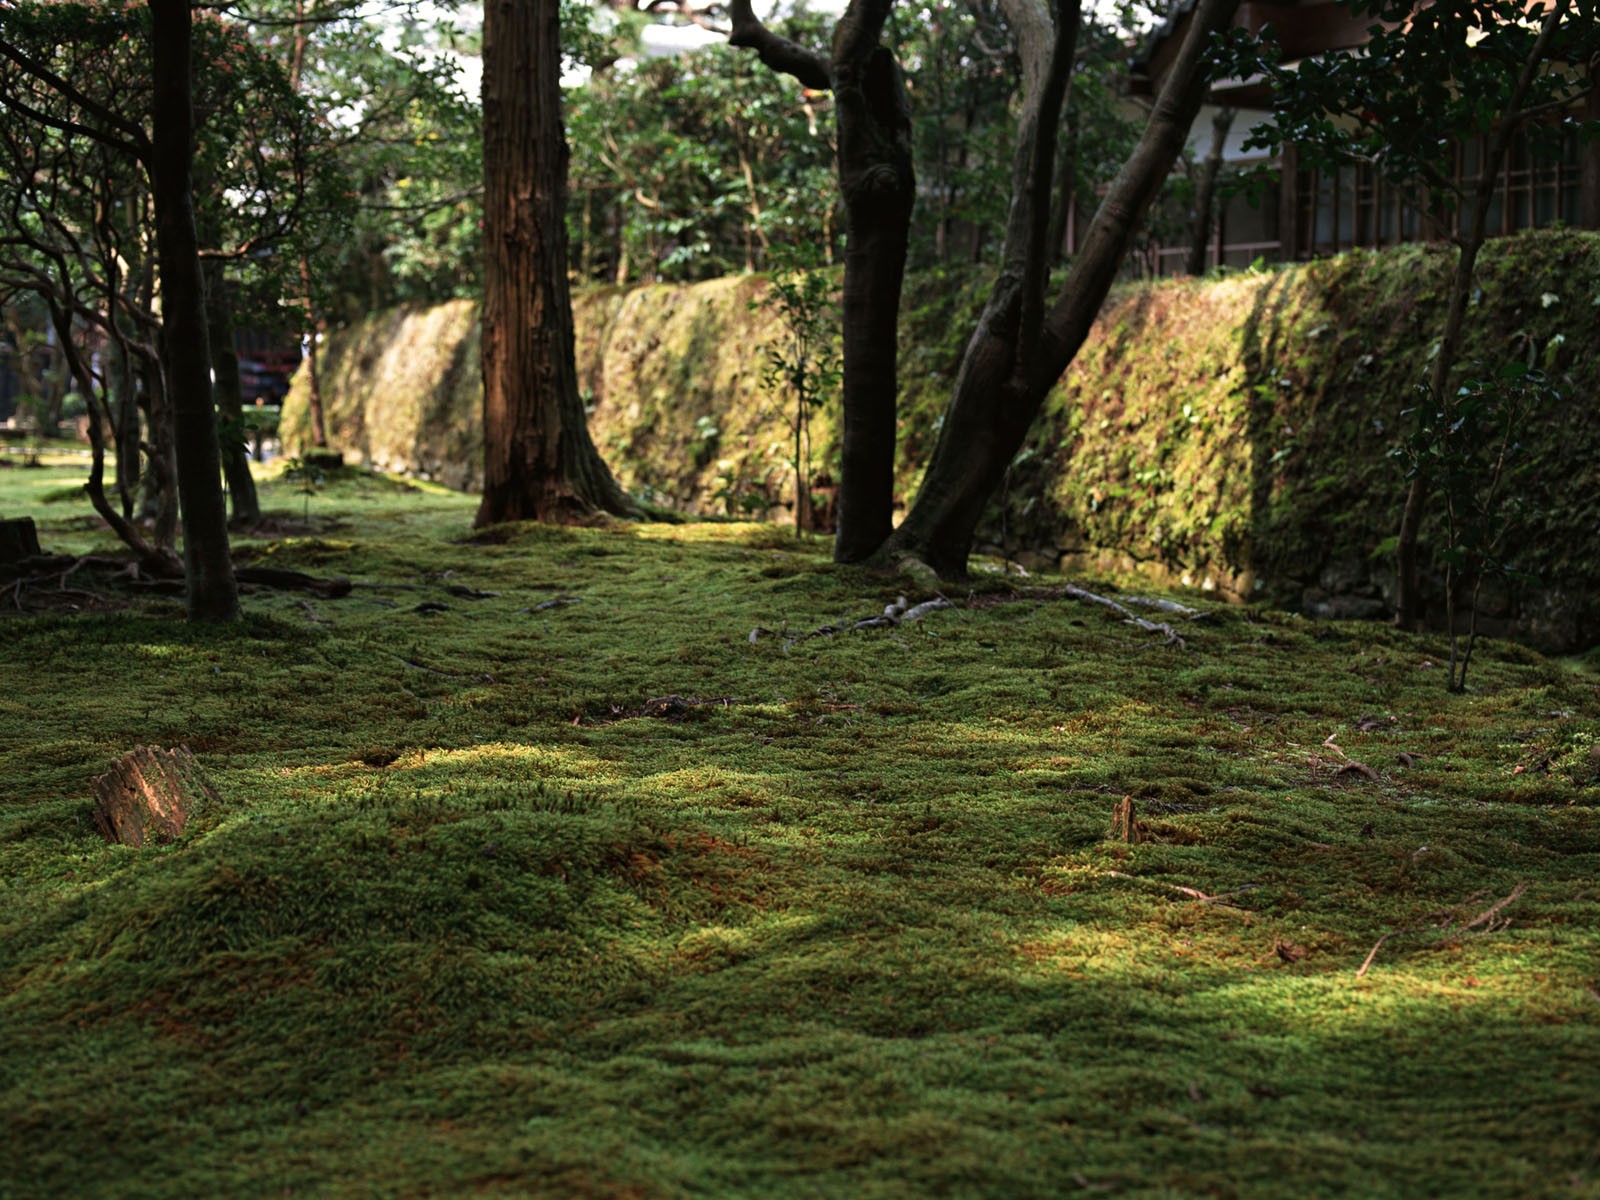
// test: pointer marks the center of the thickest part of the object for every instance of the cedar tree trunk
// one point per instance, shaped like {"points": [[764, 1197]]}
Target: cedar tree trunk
{"points": [[539, 462], [211, 593]]}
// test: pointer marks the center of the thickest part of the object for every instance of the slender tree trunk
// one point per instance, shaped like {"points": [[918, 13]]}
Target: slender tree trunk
{"points": [[211, 593], [126, 425], [298, 46], [158, 497], [1205, 193], [229, 398], [540, 463], [1408, 606], [158, 560], [1006, 373], [1066, 197], [313, 330], [879, 188]]}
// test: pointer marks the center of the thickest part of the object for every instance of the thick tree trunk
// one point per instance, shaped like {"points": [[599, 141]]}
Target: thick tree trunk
{"points": [[540, 463], [211, 593], [875, 175], [1205, 192], [230, 399], [999, 391]]}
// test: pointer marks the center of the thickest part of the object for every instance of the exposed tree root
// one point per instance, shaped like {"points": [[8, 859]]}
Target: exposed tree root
{"points": [[1169, 635], [1444, 921], [898, 613], [39, 582]]}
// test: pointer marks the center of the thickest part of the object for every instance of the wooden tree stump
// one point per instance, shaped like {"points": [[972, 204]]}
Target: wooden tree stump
{"points": [[19, 539], [1125, 823], [149, 795]]}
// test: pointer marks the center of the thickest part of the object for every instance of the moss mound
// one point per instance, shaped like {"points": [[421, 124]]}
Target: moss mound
{"points": [[533, 874], [1234, 433]]}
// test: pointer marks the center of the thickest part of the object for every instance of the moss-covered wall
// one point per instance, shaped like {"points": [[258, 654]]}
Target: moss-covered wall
{"points": [[1233, 432]]}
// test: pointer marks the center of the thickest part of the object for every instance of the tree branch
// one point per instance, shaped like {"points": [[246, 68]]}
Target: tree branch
{"points": [[779, 53], [132, 142]]}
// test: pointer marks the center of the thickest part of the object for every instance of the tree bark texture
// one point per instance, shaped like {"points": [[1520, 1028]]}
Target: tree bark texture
{"points": [[540, 463], [149, 795], [998, 390], [879, 186], [211, 593]]}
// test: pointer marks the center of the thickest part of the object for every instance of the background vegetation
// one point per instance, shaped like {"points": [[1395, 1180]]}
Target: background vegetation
{"points": [[1233, 432]]}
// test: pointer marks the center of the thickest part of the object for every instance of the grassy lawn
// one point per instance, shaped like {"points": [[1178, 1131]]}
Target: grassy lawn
{"points": [[534, 874]]}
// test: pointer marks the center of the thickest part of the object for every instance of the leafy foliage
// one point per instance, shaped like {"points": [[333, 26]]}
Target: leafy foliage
{"points": [[1471, 453]]}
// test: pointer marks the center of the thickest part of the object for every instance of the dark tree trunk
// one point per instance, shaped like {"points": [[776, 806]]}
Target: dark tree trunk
{"points": [[1007, 371], [879, 188], [230, 399], [1066, 197], [127, 429], [158, 487], [1205, 193], [875, 175], [211, 593], [539, 461]]}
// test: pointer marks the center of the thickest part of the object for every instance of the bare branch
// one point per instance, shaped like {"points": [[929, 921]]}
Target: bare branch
{"points": [[779, 53], [133, 140]]}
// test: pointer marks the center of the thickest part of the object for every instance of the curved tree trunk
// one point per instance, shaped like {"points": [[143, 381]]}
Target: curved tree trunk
{"points": [[211, 593], [1008, 369], [540, 463]]}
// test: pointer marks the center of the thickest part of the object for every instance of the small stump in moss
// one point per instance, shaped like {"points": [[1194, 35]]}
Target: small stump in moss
{"points": [[149, 795], [19, 539]]}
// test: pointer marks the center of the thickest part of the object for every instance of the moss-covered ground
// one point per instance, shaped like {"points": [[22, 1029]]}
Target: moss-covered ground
{"points": [[532, 875]]}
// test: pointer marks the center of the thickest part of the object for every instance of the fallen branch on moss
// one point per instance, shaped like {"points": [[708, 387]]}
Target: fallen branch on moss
{"points": [[1073, 592], [1442, 921], [898, 613], [1193, 893]]}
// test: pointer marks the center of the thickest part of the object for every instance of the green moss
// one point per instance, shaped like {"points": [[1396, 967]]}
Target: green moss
{"points": [[600, 897], [1231, 433]]}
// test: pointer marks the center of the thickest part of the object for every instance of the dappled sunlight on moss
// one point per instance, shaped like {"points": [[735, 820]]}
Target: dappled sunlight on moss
{"points": [[533, 874]]}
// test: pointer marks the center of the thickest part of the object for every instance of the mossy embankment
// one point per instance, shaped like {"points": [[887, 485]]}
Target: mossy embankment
{"points": [[533, 874], [1233, 432]]}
